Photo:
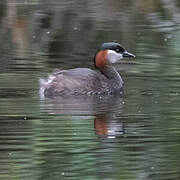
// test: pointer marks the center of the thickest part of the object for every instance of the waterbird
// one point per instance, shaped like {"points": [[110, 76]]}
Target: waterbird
{"points": [[84, 81]]}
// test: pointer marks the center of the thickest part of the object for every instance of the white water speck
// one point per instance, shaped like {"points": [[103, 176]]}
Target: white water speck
{"points": [[111, 137]]}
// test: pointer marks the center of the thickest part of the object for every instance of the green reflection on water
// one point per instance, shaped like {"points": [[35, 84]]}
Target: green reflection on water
{"points": [[136, 137]]}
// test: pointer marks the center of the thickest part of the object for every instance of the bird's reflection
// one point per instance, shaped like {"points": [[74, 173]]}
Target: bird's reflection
{"points": [[108, 127], [105, 111]]}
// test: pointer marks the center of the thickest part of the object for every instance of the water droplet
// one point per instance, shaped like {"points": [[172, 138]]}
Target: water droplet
{"points": [[89, 93]]}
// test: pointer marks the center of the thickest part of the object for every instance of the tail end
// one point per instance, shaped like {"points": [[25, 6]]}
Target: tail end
{"points": [[42, 84]]}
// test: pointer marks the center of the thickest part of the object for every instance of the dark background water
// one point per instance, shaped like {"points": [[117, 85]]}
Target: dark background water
{"points": [[136, 136]]}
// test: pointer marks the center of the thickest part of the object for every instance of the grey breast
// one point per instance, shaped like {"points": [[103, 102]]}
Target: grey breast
{"points": [[75, 81]]}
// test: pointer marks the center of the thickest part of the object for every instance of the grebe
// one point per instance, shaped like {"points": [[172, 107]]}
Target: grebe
{"points": [[84, 81]]}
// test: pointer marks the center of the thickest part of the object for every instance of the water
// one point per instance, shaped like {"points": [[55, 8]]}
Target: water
{"points": [[135, 136]]}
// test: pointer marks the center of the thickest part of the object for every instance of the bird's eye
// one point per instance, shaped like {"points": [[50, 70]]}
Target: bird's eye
{"points": [[117, 50]]}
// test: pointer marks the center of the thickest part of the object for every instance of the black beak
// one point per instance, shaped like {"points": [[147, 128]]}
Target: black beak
{"points": [[127, 54]]}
